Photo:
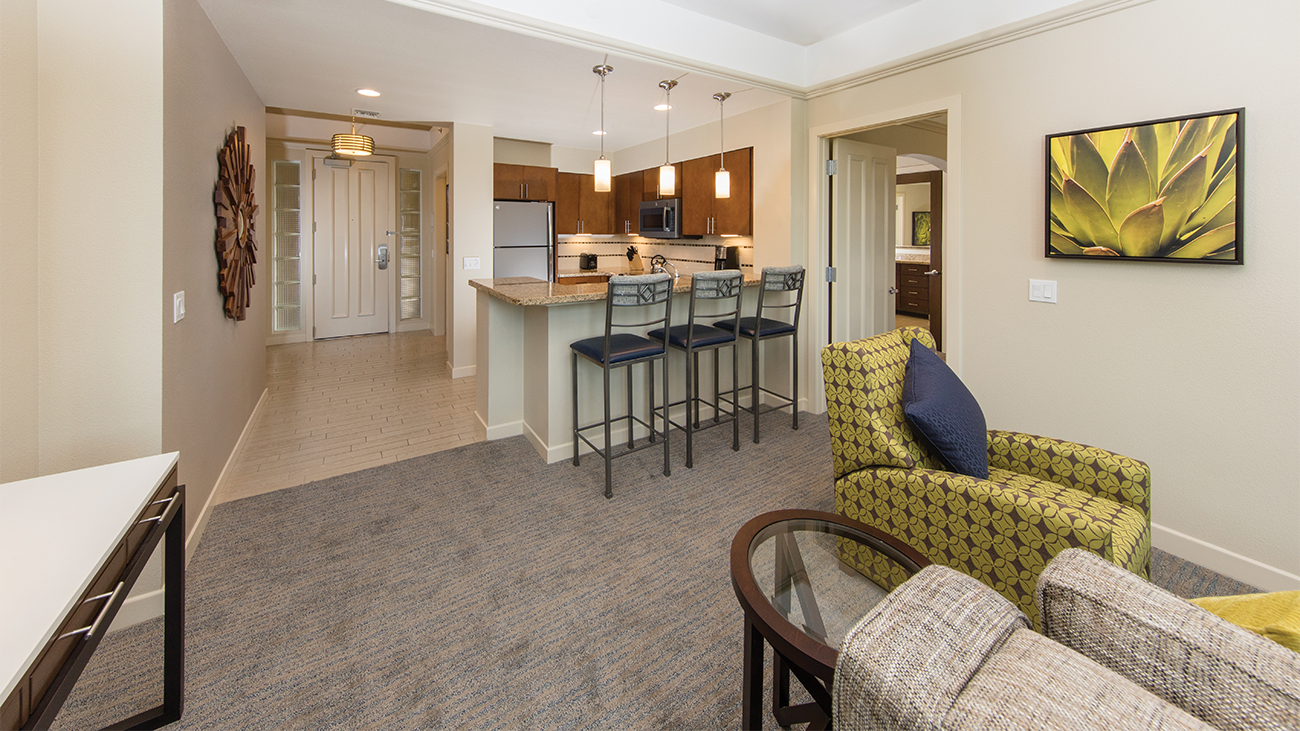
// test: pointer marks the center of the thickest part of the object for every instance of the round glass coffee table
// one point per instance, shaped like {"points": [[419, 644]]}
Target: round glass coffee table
{"points": [[804, 578]]}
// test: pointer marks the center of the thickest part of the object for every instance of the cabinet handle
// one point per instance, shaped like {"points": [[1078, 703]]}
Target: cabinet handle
{"points": [[89, 631], [525, 190]]}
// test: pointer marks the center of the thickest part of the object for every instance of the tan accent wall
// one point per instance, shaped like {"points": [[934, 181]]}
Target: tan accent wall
{"points": [[213, 368], [100, 240], [1191, 368], [19, 170]]}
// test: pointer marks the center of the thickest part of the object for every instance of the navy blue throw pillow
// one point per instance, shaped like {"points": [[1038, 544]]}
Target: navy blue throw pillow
{"points": [[944, 413]]}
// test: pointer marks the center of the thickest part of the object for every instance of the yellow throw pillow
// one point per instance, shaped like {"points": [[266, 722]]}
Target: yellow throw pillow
{"points": [[1275, 615]]}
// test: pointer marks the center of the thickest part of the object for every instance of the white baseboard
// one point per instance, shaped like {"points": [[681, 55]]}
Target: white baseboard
{"points": [[297, 336], [137, 609], [499, 431], [463, 371], [409, 326], [196, 533], [1222, 560]]}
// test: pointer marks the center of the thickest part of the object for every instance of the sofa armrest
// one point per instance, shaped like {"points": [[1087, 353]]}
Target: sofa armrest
{"points": [[1095, 471], [1228, 677], [907, 661]]}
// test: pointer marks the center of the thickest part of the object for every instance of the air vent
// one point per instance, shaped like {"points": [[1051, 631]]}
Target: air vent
{"points": [[365, 113]]}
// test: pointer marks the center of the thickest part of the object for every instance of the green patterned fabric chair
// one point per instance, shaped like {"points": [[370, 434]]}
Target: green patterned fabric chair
{"points": [[1042, 496]]}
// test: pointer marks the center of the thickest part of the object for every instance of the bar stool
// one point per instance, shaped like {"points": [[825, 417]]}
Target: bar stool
{"points": [[759, 328], [619, 350], [694, 337]]}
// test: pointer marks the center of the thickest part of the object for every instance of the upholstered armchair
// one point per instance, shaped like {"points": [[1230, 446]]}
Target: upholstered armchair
{"points": [[1041, 497]]}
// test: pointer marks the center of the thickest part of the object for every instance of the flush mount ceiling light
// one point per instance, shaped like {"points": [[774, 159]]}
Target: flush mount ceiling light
{"points": [[667, 173], [367, 92], [353, 144], [602, 164], [722, 178]]}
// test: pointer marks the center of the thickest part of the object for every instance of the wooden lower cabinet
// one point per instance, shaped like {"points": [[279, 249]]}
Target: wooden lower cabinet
{"points": [[913, 288]]}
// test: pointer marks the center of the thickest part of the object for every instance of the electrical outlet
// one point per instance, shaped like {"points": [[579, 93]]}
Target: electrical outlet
{"points": [[178, 306], [471, 262], [1042, 290]]}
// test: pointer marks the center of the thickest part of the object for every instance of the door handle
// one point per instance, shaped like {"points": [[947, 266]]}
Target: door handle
{"points": [[893, 290], [932, 273], [381, 258]]}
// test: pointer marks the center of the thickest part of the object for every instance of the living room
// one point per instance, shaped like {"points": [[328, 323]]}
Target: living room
{"points": [[1188, 368]]}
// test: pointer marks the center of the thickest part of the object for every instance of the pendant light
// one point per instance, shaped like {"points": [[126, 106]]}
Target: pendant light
{"points": [[667, 173], [722, 178], [602, 165], [352, 144]]}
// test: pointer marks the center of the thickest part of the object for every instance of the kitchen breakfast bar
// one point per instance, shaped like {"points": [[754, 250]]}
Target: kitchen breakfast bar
{"points": [[524, 374]]}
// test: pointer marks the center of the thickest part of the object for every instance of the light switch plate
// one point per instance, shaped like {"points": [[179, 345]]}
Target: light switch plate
{"points": [[471, 262], [1042, 290], [178, 306]]}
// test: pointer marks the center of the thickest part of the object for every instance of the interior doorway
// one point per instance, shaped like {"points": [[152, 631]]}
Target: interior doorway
{"points": [[902, 236], [936, 123]]}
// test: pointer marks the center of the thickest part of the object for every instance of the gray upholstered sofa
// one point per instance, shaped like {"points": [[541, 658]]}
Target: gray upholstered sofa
{"points": [[943, 651]]}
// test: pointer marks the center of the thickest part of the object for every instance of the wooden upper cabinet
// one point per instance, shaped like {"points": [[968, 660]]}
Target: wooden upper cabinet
{"points": [[523, 182], [595, 210], [627, 203], [579, 209], [705, 215], [650, 184], [735, 215], [568, 187], [540, 183]]}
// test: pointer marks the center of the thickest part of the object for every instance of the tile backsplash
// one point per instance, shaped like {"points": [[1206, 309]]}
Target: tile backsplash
{"points": [[689, 255]]}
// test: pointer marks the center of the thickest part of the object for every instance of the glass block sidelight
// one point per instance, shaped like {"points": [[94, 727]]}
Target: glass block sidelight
{"points": [[409, 215], [286, 245]]}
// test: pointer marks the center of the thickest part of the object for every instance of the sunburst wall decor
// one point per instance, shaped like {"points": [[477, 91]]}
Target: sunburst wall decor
{"points": [[236, 210]]}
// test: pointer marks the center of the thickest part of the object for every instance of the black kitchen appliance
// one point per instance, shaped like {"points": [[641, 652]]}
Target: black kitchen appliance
{"points": [[586, 261], [661, 219], [719, 258], [733, 257]]}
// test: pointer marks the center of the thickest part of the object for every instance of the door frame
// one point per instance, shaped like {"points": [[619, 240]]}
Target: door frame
{"points": [[817, 255], [309, 206], [935, 180]]}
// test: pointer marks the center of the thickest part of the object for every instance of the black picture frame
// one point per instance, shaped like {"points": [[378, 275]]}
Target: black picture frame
{"points": [[1185, 208]]}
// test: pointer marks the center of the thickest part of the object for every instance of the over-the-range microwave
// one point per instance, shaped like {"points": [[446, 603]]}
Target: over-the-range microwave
{"points": [[662, 219]]}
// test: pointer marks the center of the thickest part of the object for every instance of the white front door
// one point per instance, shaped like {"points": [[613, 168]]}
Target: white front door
{"points": [[862, 240], [351, 248]]}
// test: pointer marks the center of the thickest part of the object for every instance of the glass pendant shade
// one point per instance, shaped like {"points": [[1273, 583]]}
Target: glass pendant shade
{"points": [[722, 184], [352, 144], [602, 175], [667, 181]]}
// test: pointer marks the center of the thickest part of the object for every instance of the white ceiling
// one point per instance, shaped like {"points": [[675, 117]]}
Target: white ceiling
{"points": [[797, 22], [523, 67]]}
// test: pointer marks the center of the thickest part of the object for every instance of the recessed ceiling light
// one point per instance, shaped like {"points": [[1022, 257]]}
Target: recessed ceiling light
{"points": [[662, 107], [367, 92], [599, 132]]}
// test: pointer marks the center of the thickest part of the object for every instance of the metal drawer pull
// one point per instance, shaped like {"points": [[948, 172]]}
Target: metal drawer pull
{"points": [[89, 631], [160, 515]]}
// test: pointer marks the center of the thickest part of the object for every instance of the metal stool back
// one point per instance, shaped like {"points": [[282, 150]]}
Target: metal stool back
{"points": [[651, 296], [721, 290], [775, 282]]}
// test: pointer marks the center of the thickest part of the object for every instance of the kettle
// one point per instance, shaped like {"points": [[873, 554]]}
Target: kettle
{"points": [[586, 261]]}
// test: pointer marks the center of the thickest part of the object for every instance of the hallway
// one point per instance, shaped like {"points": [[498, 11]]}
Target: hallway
{"points": [[338, 406]]}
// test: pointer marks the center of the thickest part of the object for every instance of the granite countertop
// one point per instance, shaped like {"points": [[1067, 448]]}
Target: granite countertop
{"points": [[527, 291]]}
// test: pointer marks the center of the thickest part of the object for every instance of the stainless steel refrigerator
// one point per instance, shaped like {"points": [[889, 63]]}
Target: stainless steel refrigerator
{"points": [[523, 237]]}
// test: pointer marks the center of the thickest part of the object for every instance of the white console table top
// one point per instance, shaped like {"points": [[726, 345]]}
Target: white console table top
{"points": [[56, 532]]}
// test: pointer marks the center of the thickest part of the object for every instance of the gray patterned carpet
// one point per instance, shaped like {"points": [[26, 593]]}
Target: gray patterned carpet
{"points": [[480, 588]]}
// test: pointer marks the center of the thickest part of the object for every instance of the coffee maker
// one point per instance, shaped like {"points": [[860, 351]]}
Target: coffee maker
{"points": [[719, 258]]}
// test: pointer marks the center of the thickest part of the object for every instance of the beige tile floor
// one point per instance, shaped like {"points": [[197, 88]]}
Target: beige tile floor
{"points": [[338, 406]]}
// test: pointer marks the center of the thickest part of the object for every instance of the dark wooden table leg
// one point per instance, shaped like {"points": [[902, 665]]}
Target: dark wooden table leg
{"points": [[174, 618], [751, 703], [780, 683]]}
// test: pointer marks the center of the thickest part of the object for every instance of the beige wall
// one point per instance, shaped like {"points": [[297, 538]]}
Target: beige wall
{"points": [[521, 152], [1190, 368], [19, 173], [471, 235], [213, 368], [100, 237]]}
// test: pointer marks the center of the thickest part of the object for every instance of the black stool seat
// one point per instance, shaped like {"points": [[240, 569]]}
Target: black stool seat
{"points": [[749, 325], [703, 337], [622, 347]]}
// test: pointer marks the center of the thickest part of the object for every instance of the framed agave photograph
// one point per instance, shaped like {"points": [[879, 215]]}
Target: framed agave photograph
{"points": [[1166, 190], [920, 228]]}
